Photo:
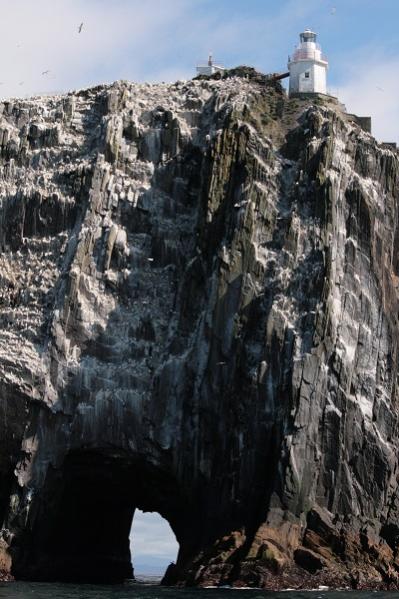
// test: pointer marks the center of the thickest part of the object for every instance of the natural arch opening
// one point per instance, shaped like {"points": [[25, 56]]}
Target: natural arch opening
{"points": [[81, 522], [153, 545]]}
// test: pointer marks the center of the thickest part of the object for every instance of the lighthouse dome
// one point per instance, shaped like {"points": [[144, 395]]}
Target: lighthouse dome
{"points": [[308, 36]]}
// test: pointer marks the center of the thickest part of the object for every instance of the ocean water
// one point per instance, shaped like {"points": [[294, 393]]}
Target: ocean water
{"points": [[23, 590]]}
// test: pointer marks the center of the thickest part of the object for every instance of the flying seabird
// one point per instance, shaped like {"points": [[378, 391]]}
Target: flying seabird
{"points": [[80, 28]]}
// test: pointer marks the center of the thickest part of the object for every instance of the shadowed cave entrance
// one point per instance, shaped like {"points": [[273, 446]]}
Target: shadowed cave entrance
{"points": [[81, 533]]}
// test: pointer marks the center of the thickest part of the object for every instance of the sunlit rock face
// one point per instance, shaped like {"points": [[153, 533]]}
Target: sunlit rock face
{"points": [[198, 311]]}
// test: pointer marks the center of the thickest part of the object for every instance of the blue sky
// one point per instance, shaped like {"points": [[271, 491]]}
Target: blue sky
{"points": [[157, 40]]}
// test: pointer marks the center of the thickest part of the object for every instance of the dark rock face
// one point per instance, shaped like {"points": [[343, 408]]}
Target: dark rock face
{"points": [[198, 313]]}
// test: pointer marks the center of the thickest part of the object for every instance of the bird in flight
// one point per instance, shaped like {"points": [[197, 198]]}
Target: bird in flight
{"points": [[80, 28], [46, 72]]}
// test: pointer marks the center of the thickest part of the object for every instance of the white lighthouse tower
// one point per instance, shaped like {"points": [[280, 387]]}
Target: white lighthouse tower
{"points": [[307, 66]]}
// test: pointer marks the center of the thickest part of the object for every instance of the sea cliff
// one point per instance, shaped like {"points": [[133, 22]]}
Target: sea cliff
{"points": [[199, 316]]}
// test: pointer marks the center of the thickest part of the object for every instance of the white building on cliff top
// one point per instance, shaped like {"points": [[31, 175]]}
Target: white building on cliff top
{"points": [[307, 66], [210, 68]]}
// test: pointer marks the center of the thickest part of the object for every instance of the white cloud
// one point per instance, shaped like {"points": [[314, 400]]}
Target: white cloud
{"points": [[43, 35], [371, 88]]}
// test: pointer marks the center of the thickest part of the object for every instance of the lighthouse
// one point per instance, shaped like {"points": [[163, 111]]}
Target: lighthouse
{"points": [[210, 68], [307, 66]]}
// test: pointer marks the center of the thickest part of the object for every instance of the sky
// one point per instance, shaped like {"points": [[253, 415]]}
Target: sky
{"points": [[42, 50], [152, 543]]}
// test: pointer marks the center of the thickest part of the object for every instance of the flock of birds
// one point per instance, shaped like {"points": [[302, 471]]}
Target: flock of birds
{"points": [[47, 72]]}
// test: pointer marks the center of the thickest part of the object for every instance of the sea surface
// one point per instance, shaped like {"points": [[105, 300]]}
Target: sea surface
{"points": [[24, 590]]}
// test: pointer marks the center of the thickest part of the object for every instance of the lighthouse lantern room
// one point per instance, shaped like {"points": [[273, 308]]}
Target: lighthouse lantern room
{"points": [[307, 66]]}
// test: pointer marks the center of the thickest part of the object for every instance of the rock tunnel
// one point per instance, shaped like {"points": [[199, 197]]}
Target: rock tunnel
{"points": [[80, 530]]}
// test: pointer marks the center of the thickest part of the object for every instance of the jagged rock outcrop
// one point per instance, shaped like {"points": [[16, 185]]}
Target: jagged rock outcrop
{"points": [[199, 316]]}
